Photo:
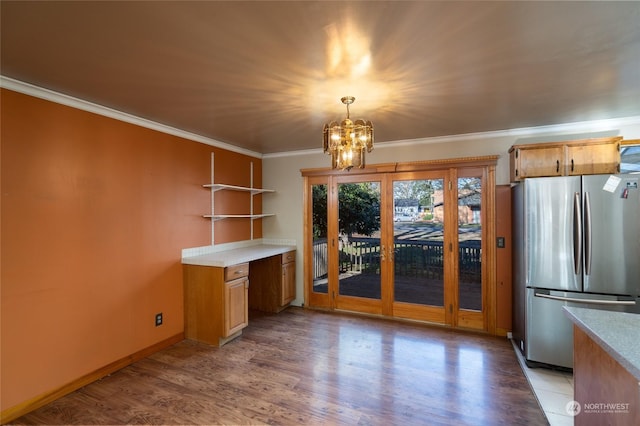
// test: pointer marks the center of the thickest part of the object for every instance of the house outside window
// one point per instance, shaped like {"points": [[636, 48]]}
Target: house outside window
{"points": [[630, 159]]}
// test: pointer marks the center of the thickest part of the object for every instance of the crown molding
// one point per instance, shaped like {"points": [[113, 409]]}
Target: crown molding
{"points": [[59, 98], [604, 125], [50, 95]]}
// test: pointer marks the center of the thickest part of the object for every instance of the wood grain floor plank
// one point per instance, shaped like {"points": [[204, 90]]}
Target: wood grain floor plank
{"points": [[311, 367]]}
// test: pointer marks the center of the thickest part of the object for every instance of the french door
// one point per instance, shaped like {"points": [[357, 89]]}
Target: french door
{"points": [[400, 244], [346, 252], [421, 240]]}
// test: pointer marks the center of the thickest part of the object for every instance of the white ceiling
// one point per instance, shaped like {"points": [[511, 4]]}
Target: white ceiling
{"points": [[266, 76]]}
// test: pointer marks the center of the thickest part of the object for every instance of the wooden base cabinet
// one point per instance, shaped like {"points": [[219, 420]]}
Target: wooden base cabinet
{"points": [[288, 278], [608, 393], [236, 306], [273, 282], [215, 302]]}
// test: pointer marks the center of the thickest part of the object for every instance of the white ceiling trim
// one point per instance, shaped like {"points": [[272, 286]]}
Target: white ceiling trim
{"points": [[608, 125], [50, 95]]}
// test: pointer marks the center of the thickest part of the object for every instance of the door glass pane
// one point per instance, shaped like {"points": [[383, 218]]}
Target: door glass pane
{"points": [[418, 236], [359, 239], [320, 254], [470, 243]]}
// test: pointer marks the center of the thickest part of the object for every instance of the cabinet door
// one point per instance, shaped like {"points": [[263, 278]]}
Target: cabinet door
{"points": [[288, 283], [236, 312], [536, 162], [593, 159]]}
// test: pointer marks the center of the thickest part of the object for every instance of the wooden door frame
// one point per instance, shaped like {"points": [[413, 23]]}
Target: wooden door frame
{"points": [[410, 311], [353, 303], [488, 165], [311, 298], [486, 319]]}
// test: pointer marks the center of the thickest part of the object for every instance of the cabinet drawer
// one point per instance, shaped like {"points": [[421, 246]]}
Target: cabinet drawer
{"points": [[236, 271], [289, 256]]}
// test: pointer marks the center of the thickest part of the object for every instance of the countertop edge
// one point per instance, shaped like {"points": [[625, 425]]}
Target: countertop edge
{"points": [[579, 316], [222, 259]]}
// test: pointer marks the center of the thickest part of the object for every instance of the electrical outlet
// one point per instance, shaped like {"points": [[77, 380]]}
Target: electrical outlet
{"points": [[159, 319]]}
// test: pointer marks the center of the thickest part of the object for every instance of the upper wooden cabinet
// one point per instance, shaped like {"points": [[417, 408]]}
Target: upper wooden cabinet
{"points": [[531, 161], [578, 157]]}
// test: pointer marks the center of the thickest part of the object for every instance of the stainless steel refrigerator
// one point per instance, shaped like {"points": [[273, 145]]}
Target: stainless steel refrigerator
{"points": [[576, 242]]}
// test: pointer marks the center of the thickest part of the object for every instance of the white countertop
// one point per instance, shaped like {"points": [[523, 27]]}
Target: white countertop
{"points": [[618, 333], [236, 256]]}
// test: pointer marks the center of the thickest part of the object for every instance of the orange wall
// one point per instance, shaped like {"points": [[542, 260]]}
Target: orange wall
{"points": [[95, 213]]}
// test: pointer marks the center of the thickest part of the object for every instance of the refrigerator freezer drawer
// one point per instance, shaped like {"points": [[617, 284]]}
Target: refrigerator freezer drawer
{"points": [[549, 333]]}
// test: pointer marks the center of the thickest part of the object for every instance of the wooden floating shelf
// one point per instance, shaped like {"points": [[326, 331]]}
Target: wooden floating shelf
{"points": [[218, 186], [237, 216]]}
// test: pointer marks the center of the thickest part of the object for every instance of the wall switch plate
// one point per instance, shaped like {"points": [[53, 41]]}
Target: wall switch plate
{"points": [[158, 319], [500, 242]]}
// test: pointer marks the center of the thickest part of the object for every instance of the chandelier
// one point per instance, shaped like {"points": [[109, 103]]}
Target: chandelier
{"points": [[346, 142]]}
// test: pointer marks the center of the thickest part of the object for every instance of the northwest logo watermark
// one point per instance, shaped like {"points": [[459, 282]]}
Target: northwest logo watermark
{"points": [[573, 408]]}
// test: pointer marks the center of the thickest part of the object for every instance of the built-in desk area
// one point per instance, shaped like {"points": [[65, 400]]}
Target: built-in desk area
{"points": [[220, 287]]}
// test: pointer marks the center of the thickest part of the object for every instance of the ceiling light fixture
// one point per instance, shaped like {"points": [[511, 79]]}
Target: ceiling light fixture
{"points": [[346, 142]]}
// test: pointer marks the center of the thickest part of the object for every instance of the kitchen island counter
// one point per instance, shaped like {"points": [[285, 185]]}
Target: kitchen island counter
{"points": [[606, 367], [618, 333]]}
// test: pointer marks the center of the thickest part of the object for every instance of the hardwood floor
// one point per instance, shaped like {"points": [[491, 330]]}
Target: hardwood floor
{"points": [[309, 367]]}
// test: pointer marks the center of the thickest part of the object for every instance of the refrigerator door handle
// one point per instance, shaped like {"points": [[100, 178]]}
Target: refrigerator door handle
{"points": [[577, 233], [592, 301], [587, 234]]}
